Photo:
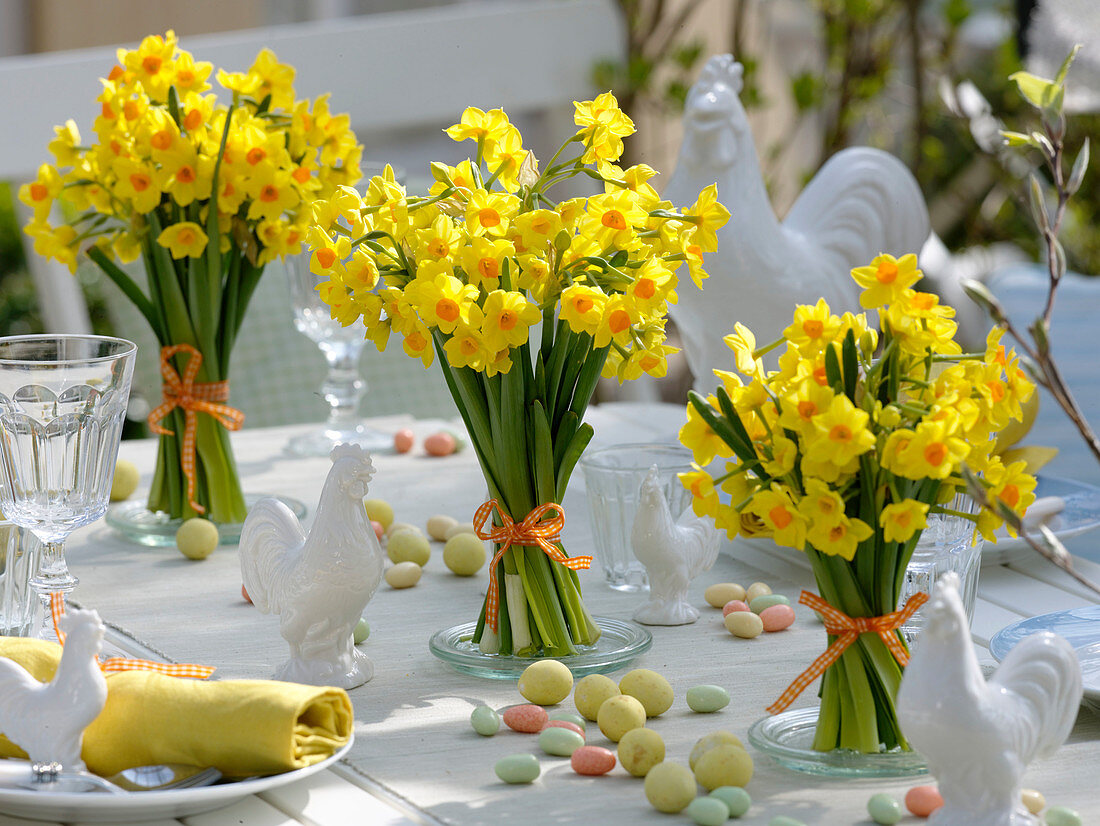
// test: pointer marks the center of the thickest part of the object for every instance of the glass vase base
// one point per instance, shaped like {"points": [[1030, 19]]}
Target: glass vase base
{"points": [[788, 739], [619, 643], [320, 442], [157, 529]]}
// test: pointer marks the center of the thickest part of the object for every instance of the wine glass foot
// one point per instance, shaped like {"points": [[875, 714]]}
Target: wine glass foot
{"points": [[320, 442]]}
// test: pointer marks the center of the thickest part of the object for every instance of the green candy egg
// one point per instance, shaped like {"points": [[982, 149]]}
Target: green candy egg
{"points": [[569, 717], [708, 811], [1062, 816], [560, 742], [362, 631], [767, 601], [783, 820], [517, 768], [705, 699], [884, 809], [737, 800], [485, 721]]}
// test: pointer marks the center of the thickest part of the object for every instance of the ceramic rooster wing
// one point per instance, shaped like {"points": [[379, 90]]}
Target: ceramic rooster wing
{"points": [[861, 203], [318, 584]]}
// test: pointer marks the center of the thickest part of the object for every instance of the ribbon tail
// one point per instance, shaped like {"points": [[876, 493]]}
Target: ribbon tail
{"points": [[115, 665]]}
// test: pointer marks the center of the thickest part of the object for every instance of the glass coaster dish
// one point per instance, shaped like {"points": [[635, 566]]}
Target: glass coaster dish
{"points": [[619, 643], [788, 739], [157, 529]]}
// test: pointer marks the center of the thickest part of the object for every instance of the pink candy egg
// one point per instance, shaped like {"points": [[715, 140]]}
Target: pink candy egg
{"points": [[440, 444], [403, 440], [379, 531], [565, 724], [592, 760], [777, 617], [923, 800], [244, 594], [528, 718], [734, 605]]}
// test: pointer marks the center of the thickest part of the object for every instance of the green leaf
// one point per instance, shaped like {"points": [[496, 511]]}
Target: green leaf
{"points": [[1060, 78], [1018, 139], [1037, 204], [572, 454], [1039, 92], [832, 370], [1077, 174], [851, 365]]}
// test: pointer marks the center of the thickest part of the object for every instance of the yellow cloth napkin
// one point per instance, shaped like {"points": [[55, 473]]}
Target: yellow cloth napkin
{"points": [[241, 727]]}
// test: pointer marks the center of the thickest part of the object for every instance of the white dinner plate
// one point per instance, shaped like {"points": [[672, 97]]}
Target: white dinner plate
{"points": [[1081, 514], [1080, 627], [101, 807]]}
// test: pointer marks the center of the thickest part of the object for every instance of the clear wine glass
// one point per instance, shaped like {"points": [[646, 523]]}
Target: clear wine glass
{"points": [[343, 388], [62, 406]]}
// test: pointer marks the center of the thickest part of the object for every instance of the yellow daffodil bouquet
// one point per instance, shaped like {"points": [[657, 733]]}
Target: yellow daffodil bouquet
{"points": [[525, 301], [844, 451], [205, 194]]}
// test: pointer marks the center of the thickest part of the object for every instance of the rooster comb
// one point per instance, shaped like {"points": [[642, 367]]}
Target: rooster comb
{"points": [[351, 451], [723, 68]]}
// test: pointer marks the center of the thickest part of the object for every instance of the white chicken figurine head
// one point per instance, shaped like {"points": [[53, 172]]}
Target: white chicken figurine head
{"points": [[978, 736], [320, 584]]}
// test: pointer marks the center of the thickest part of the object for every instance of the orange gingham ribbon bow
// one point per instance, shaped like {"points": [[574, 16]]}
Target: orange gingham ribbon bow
{"points": [[112, 665], [847, 630], [194, 397], [531, 531]]}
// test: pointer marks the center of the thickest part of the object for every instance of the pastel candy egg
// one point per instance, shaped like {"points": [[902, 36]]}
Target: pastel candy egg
{"points": [[618, 715], [565, 724], [777, 617], [755, 590], [737, 800], [517, 768], [406, 546], [379, 531], [884, 809], [393, 528], [485, 721], [705, 699], [592, 760], [560, 742], [591, 692], [1062, 816], [720, 593], [1032, 799], [197, 538], [669, 787], [530, 719], [245, 596], [734, 605], [569, 716], [461, 527], [783, 820], [744, 624], [464, 554], [361, 632], [440, 444], [923, 800], [710, 741], [546, 682], [724, 766], [379, 510], [767, 601], [403, 440], [708, 811], [641, 749], [125, 481], [438, 525], [403, 575], [649, 688]]}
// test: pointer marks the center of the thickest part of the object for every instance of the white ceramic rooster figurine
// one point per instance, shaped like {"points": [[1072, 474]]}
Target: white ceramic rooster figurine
{"points": [[978, 736], [47, 720], [320, 584], [673, 552], [861, 203]]}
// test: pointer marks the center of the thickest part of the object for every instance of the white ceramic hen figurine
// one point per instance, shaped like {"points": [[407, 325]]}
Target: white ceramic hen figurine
{"points": [[320, 584], [861, 203], [978, 736], [673, 552], [47, 720]]}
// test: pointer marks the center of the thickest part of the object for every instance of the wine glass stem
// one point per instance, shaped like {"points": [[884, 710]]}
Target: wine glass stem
{"points": [[53, 571], [343, 387]]}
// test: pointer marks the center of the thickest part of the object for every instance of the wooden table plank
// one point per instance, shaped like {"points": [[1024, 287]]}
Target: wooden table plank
{"points": [[326, 799]]}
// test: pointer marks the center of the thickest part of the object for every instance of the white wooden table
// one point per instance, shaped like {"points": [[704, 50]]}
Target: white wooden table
{"points": [[416, 758]]}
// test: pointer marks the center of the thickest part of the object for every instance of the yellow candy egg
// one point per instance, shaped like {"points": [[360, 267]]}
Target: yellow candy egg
{"points": [[618, 715], [546, 682], [720, 593], [649, 688], [406, 546], [197, 538], [464, 554], [724, 766], [712, 740], [641, 749], [439, 525], [125, 480], [403, 575], [590, 693], [380, 511], [669, 787]]}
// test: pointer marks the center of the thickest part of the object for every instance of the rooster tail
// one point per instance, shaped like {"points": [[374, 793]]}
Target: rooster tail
{"points": [[270, 543]]}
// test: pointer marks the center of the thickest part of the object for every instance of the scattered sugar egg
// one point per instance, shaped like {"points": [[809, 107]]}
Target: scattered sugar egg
{"points": [[245, 596], [737, 800], [125, 481], [398, 527], [1032, 799], [197, 538], [438, 526], [708, 811], [726, 765], [546, 682], [734, 605], [485, 721], [592, 760], [590, 693], [641, 749], [669, 787], [923, 800], [569, 716], [649, 688], [755, 590], [527, 718], [403, 440], [403, 575], [884, 809], [560, 742], [720, 593], [440, 444], [380, 511], [407, 546], [566, 724], [464, 554], [744, 624], [706, 699], [620, 714], [710, 741], [764, 601], [517, 768], [362, 631], [460, 527], [379, 530], [777, 617], [1061, 816]]}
